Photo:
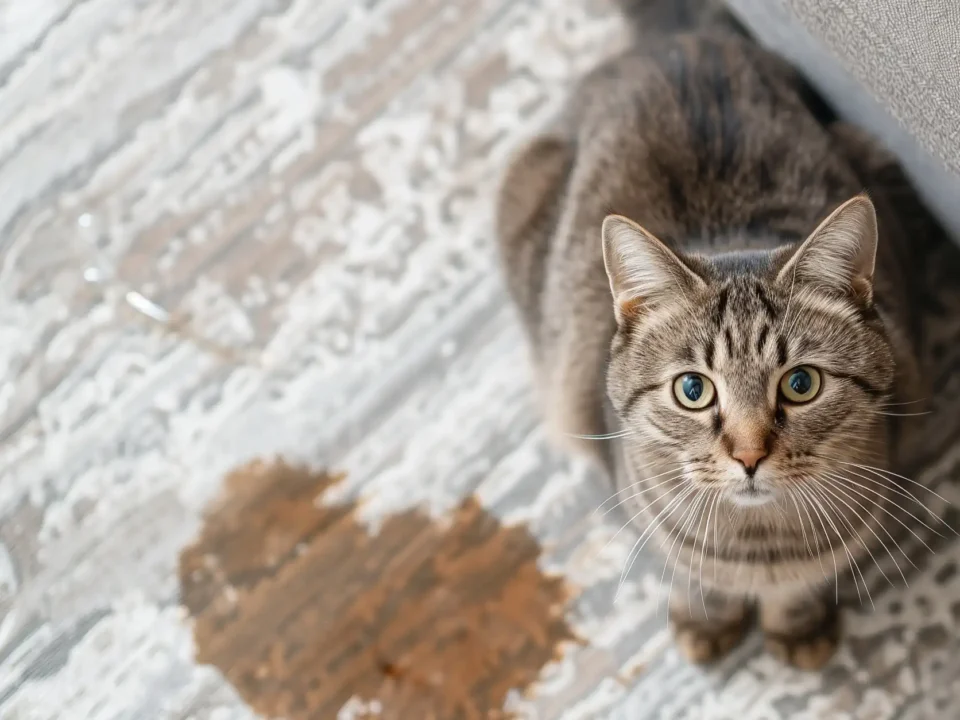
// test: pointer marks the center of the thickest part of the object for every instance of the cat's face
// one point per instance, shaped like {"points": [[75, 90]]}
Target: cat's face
{"points": [[753, 374]]}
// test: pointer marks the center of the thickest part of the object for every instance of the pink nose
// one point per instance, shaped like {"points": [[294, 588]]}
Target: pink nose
{"points": [[749, 458]]}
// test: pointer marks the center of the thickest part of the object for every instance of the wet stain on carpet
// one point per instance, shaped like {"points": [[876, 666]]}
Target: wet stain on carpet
{"points": [[305, 612]]}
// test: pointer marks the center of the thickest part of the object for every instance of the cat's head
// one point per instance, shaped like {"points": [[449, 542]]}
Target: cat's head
{"points": [[751, 372]]}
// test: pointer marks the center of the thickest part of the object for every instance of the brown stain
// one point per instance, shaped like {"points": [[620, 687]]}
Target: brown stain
{"points": [[301, 608]]}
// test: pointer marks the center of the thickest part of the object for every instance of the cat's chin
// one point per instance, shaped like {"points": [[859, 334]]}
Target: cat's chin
{"points": [[749, 496]]}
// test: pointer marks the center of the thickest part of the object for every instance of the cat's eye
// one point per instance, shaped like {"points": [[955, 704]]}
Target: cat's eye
{"points": [[694, 391], [800, 385]]}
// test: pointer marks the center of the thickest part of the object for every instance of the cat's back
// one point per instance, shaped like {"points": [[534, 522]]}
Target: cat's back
{"points": [[703, 134]]}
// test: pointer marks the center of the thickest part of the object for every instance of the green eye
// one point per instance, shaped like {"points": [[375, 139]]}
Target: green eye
{"points": [[694, 391], [800, 385]]}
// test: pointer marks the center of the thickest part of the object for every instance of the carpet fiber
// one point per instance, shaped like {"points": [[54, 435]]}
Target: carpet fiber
{"points": [[238, 230]]}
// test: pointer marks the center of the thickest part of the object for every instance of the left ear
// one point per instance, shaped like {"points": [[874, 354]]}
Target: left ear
{"points": [[839, 256]]}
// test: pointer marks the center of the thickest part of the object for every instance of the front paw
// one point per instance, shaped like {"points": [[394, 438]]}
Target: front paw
{"points": [[703, 643], [810, 642]]}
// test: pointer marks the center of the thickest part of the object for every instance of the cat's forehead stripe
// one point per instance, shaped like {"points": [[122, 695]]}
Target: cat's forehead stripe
{"points": [[762, 338], [781, 350], [765, 301], [720, 309], [709, 351]]}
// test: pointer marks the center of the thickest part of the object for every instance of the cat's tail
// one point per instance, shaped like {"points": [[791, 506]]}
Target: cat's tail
{"points": [[658, 17]]}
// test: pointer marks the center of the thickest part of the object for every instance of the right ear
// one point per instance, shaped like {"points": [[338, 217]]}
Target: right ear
{"points": [[643, 272]]}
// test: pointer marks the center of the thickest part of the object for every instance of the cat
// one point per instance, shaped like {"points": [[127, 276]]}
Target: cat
{"points": [[704, 283]]}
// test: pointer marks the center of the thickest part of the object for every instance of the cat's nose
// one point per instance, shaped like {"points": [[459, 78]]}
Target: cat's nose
{"points": [[749, 457]]}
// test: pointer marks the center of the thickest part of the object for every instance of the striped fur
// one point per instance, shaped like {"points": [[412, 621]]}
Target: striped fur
{"points": [[707, 148]]}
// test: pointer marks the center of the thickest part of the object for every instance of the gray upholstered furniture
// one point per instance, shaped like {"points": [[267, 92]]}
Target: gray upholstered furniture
{"points": [[892, 66]]}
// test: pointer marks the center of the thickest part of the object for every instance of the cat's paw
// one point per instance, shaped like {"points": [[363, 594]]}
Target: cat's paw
{"points": [[704, 643], [806, 646], [805, 653]]}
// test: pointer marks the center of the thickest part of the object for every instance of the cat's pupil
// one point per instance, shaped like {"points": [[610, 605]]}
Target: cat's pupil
{"points": [[801, 382], [693, 387]]}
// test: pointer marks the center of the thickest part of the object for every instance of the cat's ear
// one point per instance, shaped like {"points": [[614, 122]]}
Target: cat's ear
{"points": [[839, 256], [642, 270]]}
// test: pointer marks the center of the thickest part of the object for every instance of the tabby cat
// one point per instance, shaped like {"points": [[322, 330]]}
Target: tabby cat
{"points": [[704, 282]]}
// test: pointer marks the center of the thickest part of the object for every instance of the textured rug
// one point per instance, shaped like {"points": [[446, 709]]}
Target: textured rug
{"points": [[235, 230]]}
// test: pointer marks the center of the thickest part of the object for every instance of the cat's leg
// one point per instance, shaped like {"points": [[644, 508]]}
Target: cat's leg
{"points": [[707, 624], [803, 630]]}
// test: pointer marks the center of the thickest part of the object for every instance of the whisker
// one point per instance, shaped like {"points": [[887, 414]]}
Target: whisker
{"points": [[846, 492], [650, 531], [677, 475], [855, 566], [682, 532], [803, 530], [608, 436], [630, 522], [817, 508], [838, 493], [703, 547], [896, 490], [779, 510], [639, 482], [888, 512], [658, 461], [716, 544], [900, 491], [853, 560], [676, 533], [902, 477]]}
